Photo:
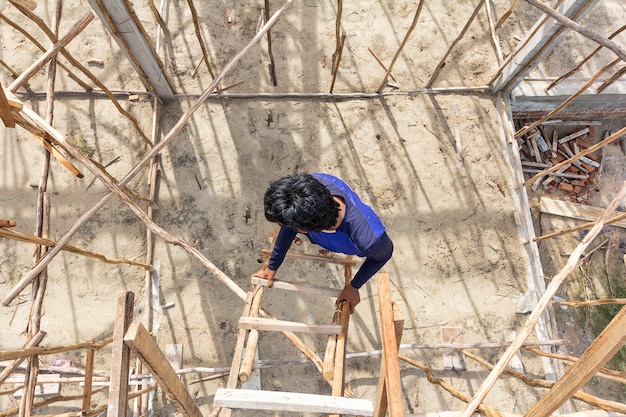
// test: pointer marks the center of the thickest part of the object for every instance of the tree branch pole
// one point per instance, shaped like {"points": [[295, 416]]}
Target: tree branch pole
{"points": [[545, 300], [147, 157], [43, 60], [506, 14], [383, 83], [338, 41], [272, 66], [205, 55], [457, 40], [569, 23], [587, 225]]}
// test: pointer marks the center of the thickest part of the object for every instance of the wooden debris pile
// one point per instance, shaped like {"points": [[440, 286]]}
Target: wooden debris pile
{"points": [[540, 150]]}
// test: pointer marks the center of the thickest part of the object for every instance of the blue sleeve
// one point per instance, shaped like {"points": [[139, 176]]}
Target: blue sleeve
{"points": [[281, 246], [376, 257]]}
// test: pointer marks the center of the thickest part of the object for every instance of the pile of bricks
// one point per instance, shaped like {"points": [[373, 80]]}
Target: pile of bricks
{"points": [[539, 151]]}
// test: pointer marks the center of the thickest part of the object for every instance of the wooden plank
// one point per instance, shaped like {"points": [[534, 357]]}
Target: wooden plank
{"points": [[574, 135], [322, 258], [574, 210], [340, 351], [380, 405], [253, 338], [290, 401], [595, 357], [142, 343], [390, 350], [294, 286], [120, 356], [286, 326]]}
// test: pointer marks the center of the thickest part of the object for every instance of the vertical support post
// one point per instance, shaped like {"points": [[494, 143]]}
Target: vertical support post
{"points": [[380, 404], [120, 356], [88, 380]]}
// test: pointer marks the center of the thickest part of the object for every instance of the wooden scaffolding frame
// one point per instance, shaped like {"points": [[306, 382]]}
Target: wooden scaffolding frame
{"points": [[135, 336]]}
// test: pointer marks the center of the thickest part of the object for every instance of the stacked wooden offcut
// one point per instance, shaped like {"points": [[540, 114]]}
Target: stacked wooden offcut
{"points": [[540, 150]]}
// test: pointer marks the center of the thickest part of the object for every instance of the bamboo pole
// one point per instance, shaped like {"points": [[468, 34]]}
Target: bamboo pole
{"points": [[205, 55], [542, 304], [618, 74], [51, 243], [454, 43], [85, 71], [43, 60], [542, 383], [569, 23], [383, 83], [568, 100], [41, 48], [587, 58]]}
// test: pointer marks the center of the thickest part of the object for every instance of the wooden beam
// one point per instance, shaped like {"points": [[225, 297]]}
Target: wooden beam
{"points": [[289, 326], [380, 405], [142, 343], [120, 356], [5, 110], [393, 383], [290, 401], [575, 210]]}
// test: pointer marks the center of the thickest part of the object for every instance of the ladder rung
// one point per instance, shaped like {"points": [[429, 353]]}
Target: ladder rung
{"points": [[259, 323], [293, 286]]}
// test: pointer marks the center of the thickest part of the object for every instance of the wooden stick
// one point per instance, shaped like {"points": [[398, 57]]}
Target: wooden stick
{"points": [[7, 223], [380, 62], [22, 353], [492, 29], [271, 325], [390, 350], [337, 388], [323, 258], [331, 347], [383, 83], [545, 300], [34, 341], [590, 303], [47, 401], [453, 44], [13, 74], [11, 234], [567, 22], [5, 110], [506, 14], [535, 382], [138, 338], [579, 155], [120, 355], [380, 405], [205, 55], [35, 66], [336, 61], [587, 58], [291, 286], [158, 18], [618, 74], [253, 338]]}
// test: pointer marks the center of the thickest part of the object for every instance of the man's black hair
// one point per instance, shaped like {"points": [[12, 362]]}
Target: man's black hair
{"points": [[300, 202]]}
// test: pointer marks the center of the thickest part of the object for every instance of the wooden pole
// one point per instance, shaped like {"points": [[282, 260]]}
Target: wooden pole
{"points": [[22, 353], [587, 58], [35, 66], [587, 225], [618, 74], [205, 55], [272, 67], [380, 404], [569, 23], [336, 62], [41, 48], [339, 38], [506, 14], [542, 304], [571, 98], [13, 74], [253, 338], [338, 382], [138, 338], [120, 356], [454, 43], [383, 83], [34, 341], [88, 381], [5, 110], [383, 66]]}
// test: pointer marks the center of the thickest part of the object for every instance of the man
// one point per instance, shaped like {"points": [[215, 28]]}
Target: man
{"points": [[333, 216]]}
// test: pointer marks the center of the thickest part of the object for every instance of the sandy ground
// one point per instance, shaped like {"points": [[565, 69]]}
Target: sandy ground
{"points": [[459, 259]]}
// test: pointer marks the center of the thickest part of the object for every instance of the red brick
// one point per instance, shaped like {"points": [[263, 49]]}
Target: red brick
{"points": [[566, 187], [588, 167]]}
